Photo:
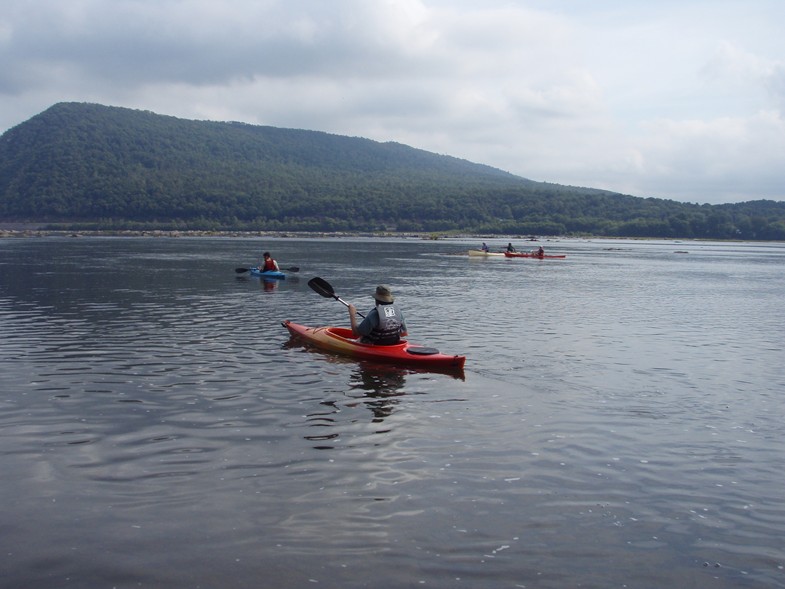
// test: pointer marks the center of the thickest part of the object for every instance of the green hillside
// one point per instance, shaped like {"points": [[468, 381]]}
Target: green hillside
{"points": [[87, 165]]}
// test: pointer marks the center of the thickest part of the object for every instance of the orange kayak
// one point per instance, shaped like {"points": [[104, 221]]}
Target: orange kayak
{"points": [[341, 341]]}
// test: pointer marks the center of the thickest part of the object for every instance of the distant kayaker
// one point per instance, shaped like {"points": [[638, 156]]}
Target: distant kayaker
{"points": [[510, 248], [485, 247], [384, 325], [540, 252], [269, 265]]}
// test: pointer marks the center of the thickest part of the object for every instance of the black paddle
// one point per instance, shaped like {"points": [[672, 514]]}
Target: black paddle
{"points": [[291, 269], [324, 288]]}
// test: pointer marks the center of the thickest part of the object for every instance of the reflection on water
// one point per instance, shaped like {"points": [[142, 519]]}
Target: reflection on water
{"points": [[370, 386], [379, 386], [267, 285], [374, 386]]}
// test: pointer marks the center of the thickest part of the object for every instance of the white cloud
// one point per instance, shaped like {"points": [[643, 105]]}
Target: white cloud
{"points": [[669, 99], [730, 60]]}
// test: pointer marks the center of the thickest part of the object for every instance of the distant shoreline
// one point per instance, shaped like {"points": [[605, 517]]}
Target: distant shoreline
{"points": [[15, 232], [28, 232]]}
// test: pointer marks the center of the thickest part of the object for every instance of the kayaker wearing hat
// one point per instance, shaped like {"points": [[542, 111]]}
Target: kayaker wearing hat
{"points": [[384, 325]]}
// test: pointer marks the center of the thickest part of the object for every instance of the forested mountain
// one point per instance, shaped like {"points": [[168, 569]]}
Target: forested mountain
{"points": [[87, 165]]}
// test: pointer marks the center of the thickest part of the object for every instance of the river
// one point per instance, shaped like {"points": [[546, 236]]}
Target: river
{"points": [[619, 422]]}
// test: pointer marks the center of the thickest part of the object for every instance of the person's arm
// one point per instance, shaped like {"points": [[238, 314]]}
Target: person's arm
{"points": [[275, 263], [367, 325], [353, 320]]}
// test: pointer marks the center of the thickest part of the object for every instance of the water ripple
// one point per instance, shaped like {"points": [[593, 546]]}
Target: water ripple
{"points": [[618, 423]]}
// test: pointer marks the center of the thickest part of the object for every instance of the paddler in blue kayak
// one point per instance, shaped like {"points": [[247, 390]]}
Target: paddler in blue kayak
{"points": [[384, 325], [269, 265]]}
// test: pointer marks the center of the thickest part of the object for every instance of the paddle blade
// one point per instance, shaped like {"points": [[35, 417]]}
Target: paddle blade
{"points": [[322, 287], [326, 290], [241, 270]]}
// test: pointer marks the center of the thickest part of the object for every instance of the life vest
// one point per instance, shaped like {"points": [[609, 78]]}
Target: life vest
{"points": [[269, 265], [388, 332]]}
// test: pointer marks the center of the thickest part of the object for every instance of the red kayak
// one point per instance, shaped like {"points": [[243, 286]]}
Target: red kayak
{"points": [[532, 255], [341, 341]]}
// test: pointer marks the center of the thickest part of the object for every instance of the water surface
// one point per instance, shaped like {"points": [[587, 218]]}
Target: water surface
{"points": [[618, 424]]}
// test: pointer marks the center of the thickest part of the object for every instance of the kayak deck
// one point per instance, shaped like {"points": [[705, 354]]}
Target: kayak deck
{"points": [[341, 340], [533, 255], [268, 274], [484, 254]]}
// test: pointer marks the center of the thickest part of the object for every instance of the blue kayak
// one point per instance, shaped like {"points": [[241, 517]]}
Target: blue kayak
{"points": [[268, 274]]}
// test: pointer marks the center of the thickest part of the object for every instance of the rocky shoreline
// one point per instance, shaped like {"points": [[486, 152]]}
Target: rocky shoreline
{"points": [[20, 232]]}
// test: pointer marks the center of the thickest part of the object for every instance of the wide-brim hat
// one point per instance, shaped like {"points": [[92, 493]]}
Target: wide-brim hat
{"points": [[383, 294]]}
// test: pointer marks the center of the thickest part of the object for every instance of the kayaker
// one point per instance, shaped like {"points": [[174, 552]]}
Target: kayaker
{"points": [[269, 265], [540, 252], [485, 247], [510, 248], [384, 325]]}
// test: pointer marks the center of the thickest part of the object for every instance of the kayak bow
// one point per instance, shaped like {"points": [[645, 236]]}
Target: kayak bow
{"points": [[341, 340]]}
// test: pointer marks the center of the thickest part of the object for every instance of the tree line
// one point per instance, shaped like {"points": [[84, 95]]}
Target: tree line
{"points": [[93, 166]]}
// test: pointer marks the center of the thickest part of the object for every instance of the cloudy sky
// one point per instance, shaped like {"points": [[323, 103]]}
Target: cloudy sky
{"points": [[677, 99]]}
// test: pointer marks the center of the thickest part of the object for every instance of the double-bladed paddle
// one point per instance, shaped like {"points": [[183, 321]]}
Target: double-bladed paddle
{"points": [[291, 269], [324, 288]]}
